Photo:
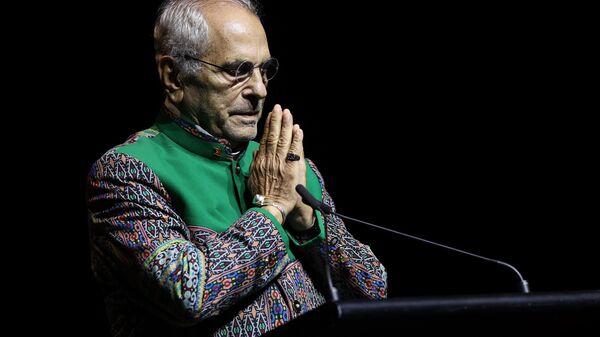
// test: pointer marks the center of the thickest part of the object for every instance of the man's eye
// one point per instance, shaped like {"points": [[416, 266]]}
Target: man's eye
{"points": [[231, 72]]}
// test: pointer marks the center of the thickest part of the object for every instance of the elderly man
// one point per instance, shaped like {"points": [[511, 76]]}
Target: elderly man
{"points": [[195, 228]]}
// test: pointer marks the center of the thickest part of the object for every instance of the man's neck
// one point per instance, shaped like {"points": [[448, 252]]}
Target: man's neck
{"points": [[236, 147]]}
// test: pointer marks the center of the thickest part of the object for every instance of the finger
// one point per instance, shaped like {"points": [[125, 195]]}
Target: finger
{"points": [[263, 139], [274, 129], [285, 135], [302, 166], [297, 137]]}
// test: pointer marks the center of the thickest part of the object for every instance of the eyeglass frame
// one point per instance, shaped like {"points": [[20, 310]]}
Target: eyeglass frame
{"points": [[240, 78]]}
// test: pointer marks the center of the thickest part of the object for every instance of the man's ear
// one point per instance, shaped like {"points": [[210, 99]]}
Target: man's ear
{"points": [[168, 73]]}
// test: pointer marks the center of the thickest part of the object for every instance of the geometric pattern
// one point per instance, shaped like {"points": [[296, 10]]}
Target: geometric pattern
{"points": [[355, 269], [160, 274]]}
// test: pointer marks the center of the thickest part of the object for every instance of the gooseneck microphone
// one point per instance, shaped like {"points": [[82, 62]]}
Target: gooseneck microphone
{"points": [[308, 199], [316, 205]]}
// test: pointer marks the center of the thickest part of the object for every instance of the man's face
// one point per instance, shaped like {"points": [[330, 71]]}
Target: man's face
{"points": [[224, 107]]}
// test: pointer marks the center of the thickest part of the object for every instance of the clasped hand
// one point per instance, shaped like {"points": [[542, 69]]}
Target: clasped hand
{"points": [[275, 177]]}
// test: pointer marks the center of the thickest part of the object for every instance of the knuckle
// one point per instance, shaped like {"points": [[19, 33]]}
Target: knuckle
{"points": [[272, 139]]}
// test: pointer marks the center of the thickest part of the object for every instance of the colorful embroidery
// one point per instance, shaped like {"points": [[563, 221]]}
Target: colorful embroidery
{"points": [[143, 250]]}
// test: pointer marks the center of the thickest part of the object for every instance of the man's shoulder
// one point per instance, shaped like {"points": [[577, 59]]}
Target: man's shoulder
{"points": [[132, 159], [139, 144], [146, 145], [139, 140]]}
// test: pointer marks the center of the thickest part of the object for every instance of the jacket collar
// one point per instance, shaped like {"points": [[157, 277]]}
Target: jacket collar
{"points": [[185, 134]]}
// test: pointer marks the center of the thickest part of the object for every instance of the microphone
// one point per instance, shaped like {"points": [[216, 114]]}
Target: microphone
{"points": [[315, 204], [308, 199]]}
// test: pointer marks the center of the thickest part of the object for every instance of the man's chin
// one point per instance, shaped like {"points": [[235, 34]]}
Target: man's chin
{"points": [[241, 135]]}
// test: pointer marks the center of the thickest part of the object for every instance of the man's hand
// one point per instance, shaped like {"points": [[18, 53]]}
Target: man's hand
{"points": [[302, 216], [271, 174]]}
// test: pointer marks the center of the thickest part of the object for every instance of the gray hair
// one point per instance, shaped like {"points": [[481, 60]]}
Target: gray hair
{"points": [[181, 31]]}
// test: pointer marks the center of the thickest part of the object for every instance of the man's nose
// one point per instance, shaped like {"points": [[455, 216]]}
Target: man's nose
{"points": [[257, 83]]}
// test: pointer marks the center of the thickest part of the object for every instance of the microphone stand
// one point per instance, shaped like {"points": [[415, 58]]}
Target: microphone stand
{"points": [[524, 284], [315, 204]]}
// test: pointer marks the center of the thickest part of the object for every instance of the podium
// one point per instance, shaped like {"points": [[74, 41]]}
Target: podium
{"points": [[541, 314]]}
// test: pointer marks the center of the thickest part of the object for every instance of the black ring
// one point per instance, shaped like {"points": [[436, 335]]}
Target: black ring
{"points": [[292, 156]]}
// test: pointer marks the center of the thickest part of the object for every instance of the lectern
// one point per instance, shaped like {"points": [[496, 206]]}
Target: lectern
{"points": [[542, 314]]}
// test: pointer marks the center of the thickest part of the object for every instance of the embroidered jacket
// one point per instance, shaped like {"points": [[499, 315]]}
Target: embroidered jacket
{"points": [[179, 250]]}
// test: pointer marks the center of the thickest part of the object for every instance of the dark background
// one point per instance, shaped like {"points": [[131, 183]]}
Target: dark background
{"points": [[470, 126]]}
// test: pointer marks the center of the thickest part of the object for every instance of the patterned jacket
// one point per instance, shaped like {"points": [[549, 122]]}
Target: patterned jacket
{"points": [[179, 250]]}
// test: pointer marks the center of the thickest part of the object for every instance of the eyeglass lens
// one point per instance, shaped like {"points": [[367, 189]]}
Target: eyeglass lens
{"points": [[268, 69]]}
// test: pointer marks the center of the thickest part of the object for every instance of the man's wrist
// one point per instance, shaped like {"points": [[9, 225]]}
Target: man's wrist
{"points": [[278, 207], [259, 200]]}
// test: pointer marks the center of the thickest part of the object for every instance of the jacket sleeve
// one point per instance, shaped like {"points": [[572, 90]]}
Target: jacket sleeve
{"points": [[356, 271], [141, 244]]}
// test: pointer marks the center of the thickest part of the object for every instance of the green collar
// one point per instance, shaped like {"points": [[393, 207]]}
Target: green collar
{"points": [[185, 135]]}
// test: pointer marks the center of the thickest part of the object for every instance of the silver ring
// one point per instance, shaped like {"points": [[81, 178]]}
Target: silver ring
{"points": [[292, 156]]}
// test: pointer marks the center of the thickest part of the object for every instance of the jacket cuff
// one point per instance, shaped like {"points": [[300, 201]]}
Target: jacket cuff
{"points": [[283, 233]]}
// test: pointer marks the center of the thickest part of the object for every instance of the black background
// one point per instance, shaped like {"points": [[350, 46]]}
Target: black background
{"points": [[468, 126]]}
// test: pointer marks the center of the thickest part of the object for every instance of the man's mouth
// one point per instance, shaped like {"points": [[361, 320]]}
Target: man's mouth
{"points": [[243, 113]]}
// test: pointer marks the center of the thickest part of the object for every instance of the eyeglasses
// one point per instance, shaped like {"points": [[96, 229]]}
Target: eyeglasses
{"points": [[243, 71]]}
